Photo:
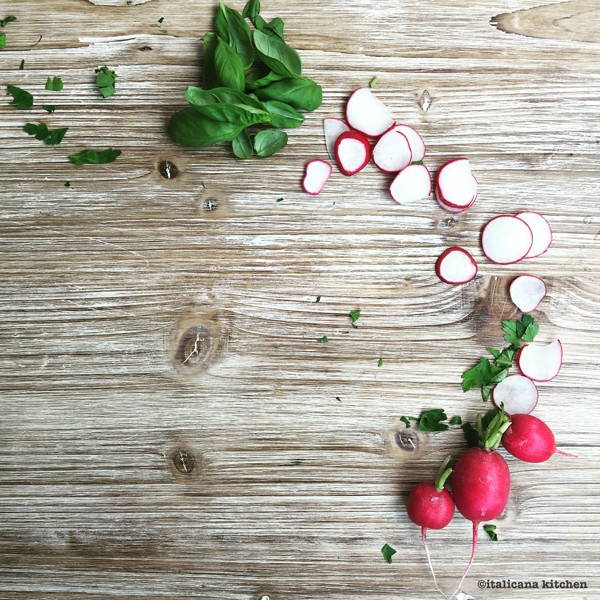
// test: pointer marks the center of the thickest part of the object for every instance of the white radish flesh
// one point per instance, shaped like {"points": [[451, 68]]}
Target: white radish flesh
{"points": [[518, 394], [367, 114], [455, 266], [450, 208], [506, 239], [333, 129], [527, 292], [412, 183], [352, 152], [317, 174], [542, 232], [456, 186], [392, 152], [415, 141], [540, 363]]}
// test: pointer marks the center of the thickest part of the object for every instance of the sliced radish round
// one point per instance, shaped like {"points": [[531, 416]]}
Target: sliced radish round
{"points": [[352, 152], [455, 185], [527, 292], [518, 394], [455, 265], [317, 174], [367, 114], [506, 239], [392, 152], [415, 141], [542, 232], [333, 129], [540, 363], [412, 183], [450, 208]]}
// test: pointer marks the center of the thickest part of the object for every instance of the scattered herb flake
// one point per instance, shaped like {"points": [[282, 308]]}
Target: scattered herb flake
{"points": [[405, 421], [279, 199], [416, 162], [68, 184], [49, 108], [354, 315], [323, 339], [202, 184], [56, 136], [4, 22], [338, 398], [490, 531], [344, 332], [373, 82], [318, 299], [380, 362], [2, 41], [22, 64], [54, 85], [93, 157], [456, 420], [106, 81], [161, 19], [22, 99], [388, 552], [41, 132]]}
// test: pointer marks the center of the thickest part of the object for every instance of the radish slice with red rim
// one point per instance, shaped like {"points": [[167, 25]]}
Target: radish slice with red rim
{"points": [[542, 233], [415, 141], [367, 114], [518, 394], [450, 208], [333, 129], [455, 266], [527, 292], [412, 183], [392, 152], [455, 184], [506, 239], [352, 152], [317, 174], [540, 363]]}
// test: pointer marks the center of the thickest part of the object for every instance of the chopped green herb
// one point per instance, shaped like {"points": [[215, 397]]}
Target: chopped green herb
{"points": [[380, 362], [161, 19], [202, 184], [323, 339], [344, 332], [318, 299], [2, 41], [106, 81], [388, 552], [524, 330], [354, 315], [68, 184], [338, 398], [279, 199], [22, 99], [22, 64], [93, 157], [431, 420], [54, 85], [49, 108], [490, 531], [405, 421], [4, 22], [373, 82], [416, 162], [56, 136], [456, 420], [41, 132]]}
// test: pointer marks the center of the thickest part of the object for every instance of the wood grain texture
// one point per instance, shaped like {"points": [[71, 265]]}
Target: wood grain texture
{"points": [[169, 425]]}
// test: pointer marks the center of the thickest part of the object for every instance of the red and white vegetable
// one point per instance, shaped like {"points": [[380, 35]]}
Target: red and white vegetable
{"points": [[455, 265], [392, 152], [518, 394], [527, 292], [411, 184], [367, 114], [333, 129], [541, 230], [415, 141], [506, 239], [456, 188], [540, 363], [352, 152], [317, 174]]}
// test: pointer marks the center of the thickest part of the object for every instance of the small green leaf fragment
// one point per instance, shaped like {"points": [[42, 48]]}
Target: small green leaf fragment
{"points": [[323, 339], [202, 184], [2, 41], [388, 552], [56, 136], [161, 19], [456, 420], [490, 529], [338, 398], [380, 362], [405, 421], [416, 162], [279, 200], [54, 85], [4, 22], [354, 315], [21, 98], [373, 82], [22, 64], [318, 299], [106, 81], [68, 184], [431, 420], [39, 131], [49, 108], [93, 157]]}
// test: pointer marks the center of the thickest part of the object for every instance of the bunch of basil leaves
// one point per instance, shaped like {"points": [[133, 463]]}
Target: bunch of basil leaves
{"points": [[248, 79]]}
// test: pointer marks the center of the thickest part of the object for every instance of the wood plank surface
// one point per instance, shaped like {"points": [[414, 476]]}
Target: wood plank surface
{"points": [[169, 424]]}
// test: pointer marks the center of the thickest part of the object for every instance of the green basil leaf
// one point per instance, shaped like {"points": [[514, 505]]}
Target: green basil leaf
{"points": [[283, 115], [21, 98], [227, 105], [269, 142], [242, 145], [189, 128], [234, 30], [93, 157], [251, 9], [272, 29], [261, 78], [277, 55], [276, 25], [209, 74], [229, 70], [302, 94]]}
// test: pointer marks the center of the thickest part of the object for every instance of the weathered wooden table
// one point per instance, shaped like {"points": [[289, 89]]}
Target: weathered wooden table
{"points": [[170, 426]]}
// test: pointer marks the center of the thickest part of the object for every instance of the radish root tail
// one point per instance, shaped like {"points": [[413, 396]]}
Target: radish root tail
{"points": [[475, 527], [565, 453], [423, 534]]}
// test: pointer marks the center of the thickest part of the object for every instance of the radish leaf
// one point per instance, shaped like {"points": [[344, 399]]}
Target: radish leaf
{"points": [[388, 552]]}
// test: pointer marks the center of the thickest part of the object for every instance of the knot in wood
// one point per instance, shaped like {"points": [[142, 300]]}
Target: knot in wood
{"points": [[210, 204], [184, 461], [193, 346], [407, 440], [168, 169]]}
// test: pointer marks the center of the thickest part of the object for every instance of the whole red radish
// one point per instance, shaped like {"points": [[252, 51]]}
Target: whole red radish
{"points": [[530, 439], [481, 480]]}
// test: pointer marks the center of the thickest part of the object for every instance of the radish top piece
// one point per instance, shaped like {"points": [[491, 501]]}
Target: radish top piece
{"points": [[456, 186], [367, 114], [506, 239], [333, 129]]}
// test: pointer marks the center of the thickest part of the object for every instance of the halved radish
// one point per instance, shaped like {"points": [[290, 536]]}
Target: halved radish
{"points": [[333, 129], [450, 208], [455, 184], [527, 292], [506, 239], [352, 152], [367, 114], [542, 232], [540, 363], [412, 183], [392, 152], [455, 265], [415, 141], [518, 394], [317, 174]]}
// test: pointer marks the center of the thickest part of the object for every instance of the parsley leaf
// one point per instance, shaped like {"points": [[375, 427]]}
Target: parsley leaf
{"points": [[4, 22], [490, 531], [388, 552], [41, 132], [22, 64], [318, 299], [22, 99], [456, 420], [373, 82], [526, 329], [2, 41], [68, 184], [323, 339], [380, 362], [54, 85], [93, 157], [49, 108], [471, 435], [354, 315], [56, 136], [431, 420], [405, 421], [106, 81]]}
